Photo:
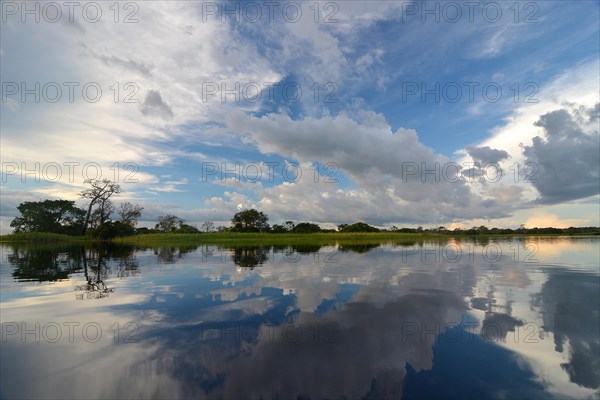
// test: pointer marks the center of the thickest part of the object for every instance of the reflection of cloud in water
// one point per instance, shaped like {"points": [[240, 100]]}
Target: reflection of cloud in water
{"points": [[358, 350], [372, 297], [84, 371], [570, 305]]}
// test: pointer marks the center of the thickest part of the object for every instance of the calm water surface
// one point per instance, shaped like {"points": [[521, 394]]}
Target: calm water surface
{"points": [[509, 318]]}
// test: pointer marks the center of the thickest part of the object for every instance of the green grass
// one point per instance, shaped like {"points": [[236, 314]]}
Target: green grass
{"points": [[41, 237]]}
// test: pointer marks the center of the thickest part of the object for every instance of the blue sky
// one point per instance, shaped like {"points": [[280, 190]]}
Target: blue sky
{"points": [[354, 94]]}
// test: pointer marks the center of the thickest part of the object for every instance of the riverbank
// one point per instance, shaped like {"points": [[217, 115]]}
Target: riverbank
{"points": [[243, 239]]}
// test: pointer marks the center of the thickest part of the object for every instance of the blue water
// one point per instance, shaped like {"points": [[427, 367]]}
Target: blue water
{"points": [[503, 318]]}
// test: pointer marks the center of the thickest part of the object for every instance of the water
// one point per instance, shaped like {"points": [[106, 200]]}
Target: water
{"points": [[509, 318]]}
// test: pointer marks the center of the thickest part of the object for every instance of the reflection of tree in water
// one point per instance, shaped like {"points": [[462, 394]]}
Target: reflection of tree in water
{"points": [[569, 304], [207, 250], [291, 253], [43, 264], [306, 248], [102, 262], [47, 264], [95, 271], [358, 248], [126, 264], [249, 257], [171, 254]]}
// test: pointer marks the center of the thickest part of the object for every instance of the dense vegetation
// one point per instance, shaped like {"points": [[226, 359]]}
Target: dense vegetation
{"points": [[54, 220]]}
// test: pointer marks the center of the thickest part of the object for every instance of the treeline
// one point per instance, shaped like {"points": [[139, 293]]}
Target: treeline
{"points": [[95, 220], [102, 220]]}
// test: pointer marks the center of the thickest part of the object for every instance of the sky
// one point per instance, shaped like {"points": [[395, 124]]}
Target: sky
{"points": [[388, 112]]}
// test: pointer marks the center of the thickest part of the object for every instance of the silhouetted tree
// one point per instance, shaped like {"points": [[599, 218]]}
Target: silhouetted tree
{"points": [[208, 226], [129, 213], [306, 227], [169, 223], [250, 221], [99, 193], [55, 216]]}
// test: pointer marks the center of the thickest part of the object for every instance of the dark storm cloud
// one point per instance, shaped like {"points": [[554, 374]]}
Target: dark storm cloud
{"points": [[568, 158], [154, 105], [486, 154]]}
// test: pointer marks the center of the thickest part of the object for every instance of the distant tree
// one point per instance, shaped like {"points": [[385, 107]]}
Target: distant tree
{"points": [[289, 225], [250, 221], [129, 213], [99, 193], [279, 229], [169, 223], [208, 226], [55, 216], [359, 227], [341, 227], [306, 227], [185, 228]]}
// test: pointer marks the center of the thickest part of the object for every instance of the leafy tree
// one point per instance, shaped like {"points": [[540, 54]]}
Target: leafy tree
{"points": [[208, 226], [306, 227], [185, 228], [279, 229], [289, 225], [110, 229], [169, 223], [98, 194], [482, 228], [250, 221], [55, 216], [129, 213], [359, 227]]}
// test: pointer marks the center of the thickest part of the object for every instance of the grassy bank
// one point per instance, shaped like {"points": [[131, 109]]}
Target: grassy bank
{"points": [[42, 237], [232, 239]]}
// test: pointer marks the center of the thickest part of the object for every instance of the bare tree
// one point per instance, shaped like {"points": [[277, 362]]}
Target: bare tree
{"points": [[99, 193], [169, 223], [208, 226], [129, 213], [102, 213]]}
